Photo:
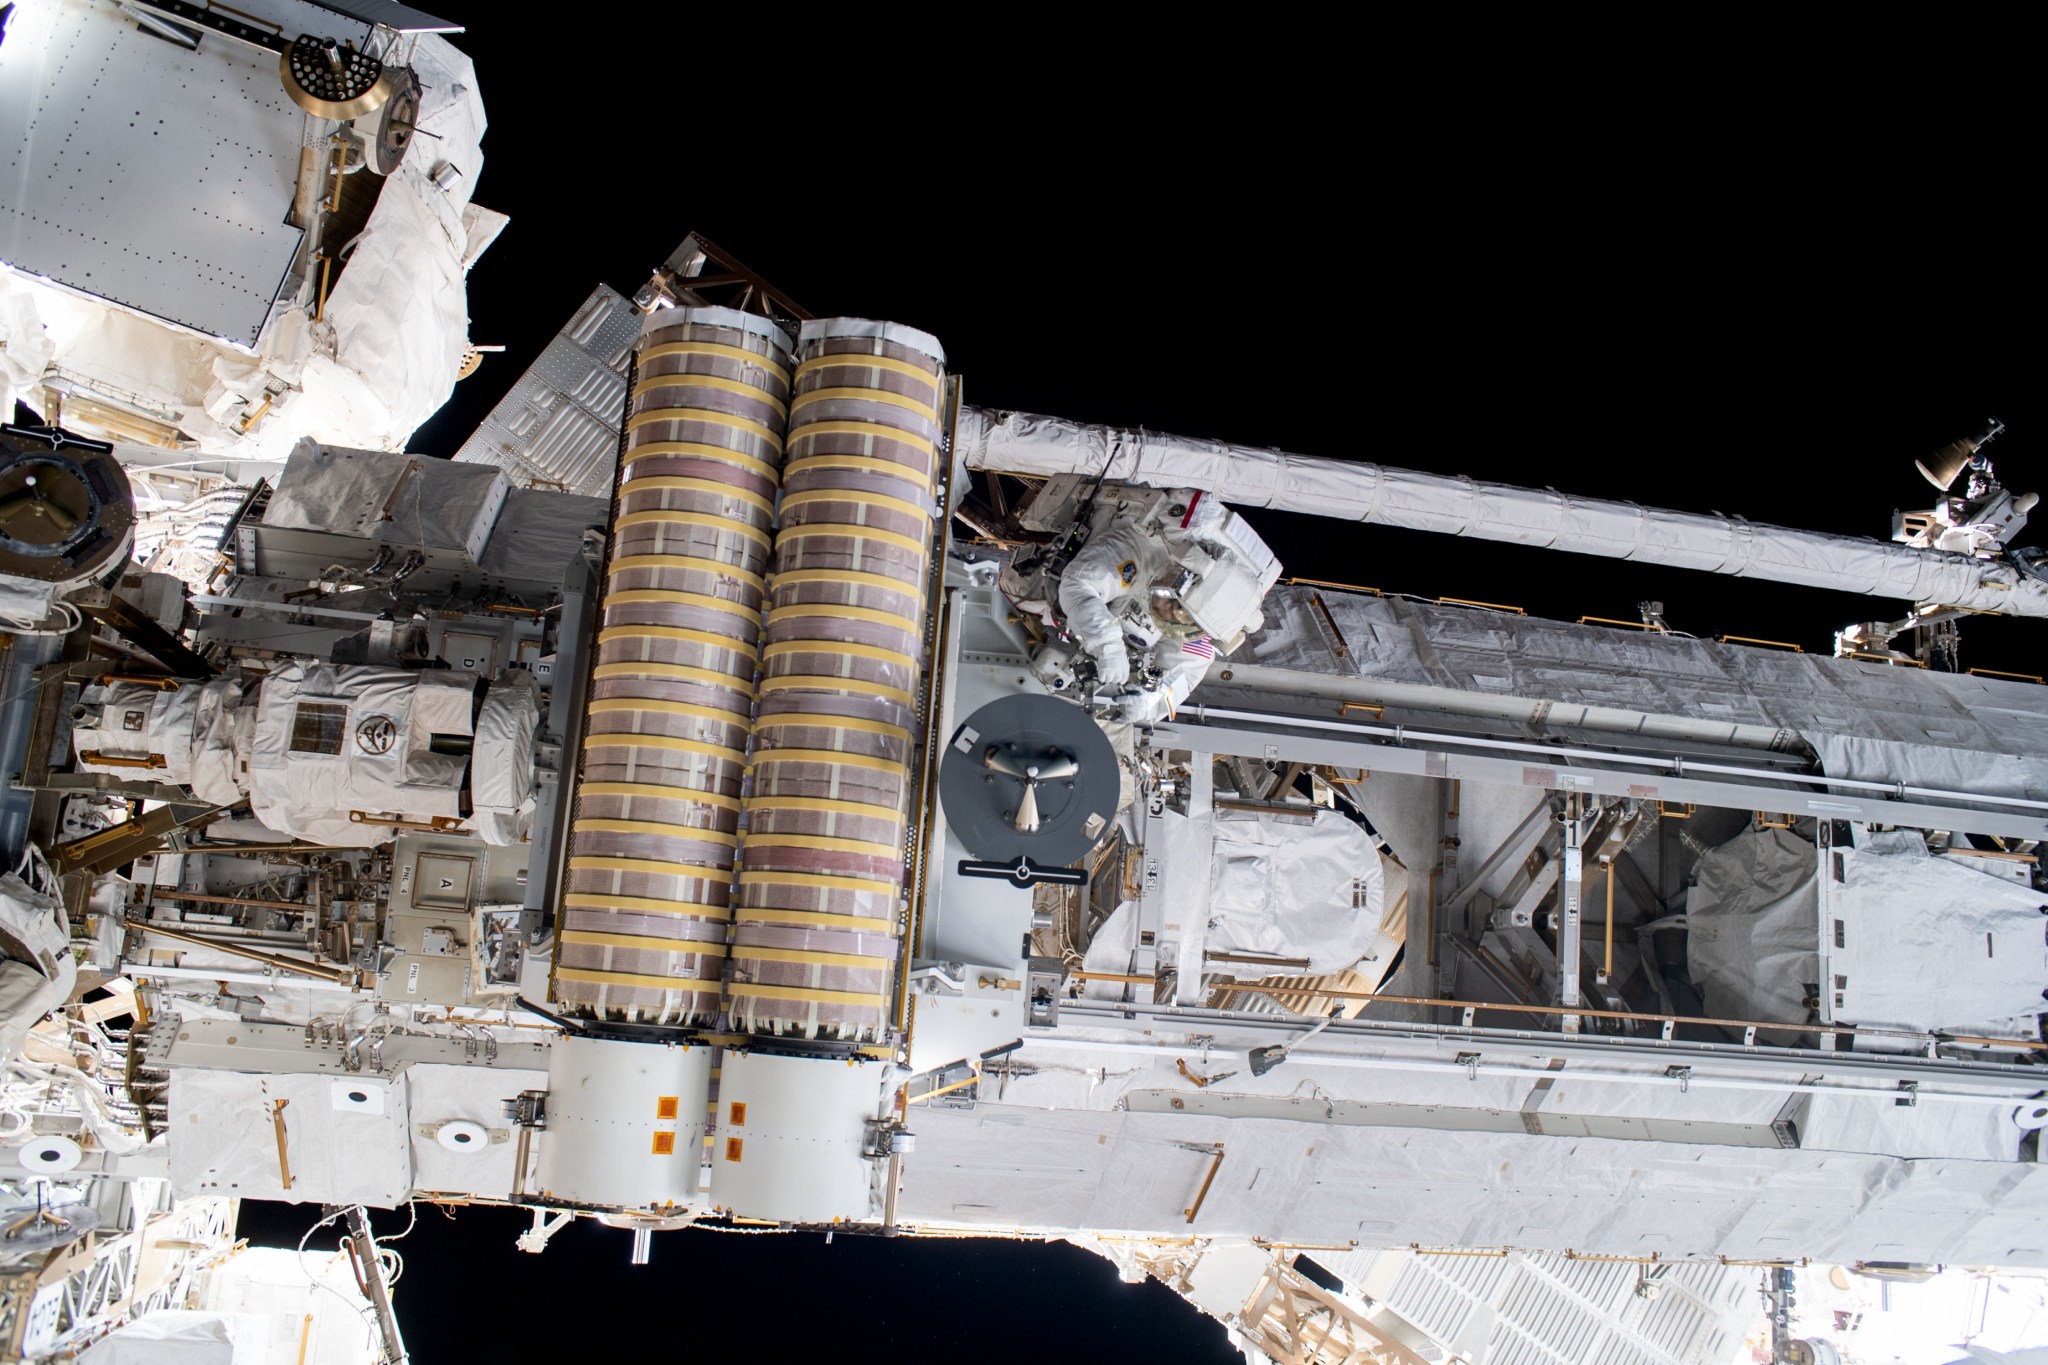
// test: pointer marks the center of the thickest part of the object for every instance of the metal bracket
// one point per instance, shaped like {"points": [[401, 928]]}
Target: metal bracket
{"points": [[1045, 978], [1470, 1061], [528, 1109], [1025, 872], [1681, 1074]]}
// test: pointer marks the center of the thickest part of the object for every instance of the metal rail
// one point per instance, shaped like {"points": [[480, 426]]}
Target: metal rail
{"points": [[343, 976], [1398, 749], [2012, 1081], [1749, 1026]]}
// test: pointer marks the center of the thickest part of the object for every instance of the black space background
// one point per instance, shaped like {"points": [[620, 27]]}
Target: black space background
{"points": [[1698, 270]]}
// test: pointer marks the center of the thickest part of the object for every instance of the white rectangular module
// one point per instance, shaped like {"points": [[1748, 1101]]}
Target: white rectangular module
{"points": [[293, 1138], [146, 174]]}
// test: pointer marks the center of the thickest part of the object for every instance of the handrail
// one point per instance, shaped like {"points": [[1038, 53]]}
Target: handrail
{"points": [[1750, 1026], [1489, 606], [1403, 734]]}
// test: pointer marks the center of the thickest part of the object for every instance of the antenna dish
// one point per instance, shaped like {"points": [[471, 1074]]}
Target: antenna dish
{"points": [[1944, 465]]}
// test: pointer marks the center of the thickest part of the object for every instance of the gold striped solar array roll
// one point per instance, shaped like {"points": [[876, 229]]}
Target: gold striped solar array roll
{"points": [[644, 915], [815, 933]]}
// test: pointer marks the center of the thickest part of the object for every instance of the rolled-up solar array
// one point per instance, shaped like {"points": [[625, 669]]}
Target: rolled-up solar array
{"points": [[817, 920], [644, 915]]}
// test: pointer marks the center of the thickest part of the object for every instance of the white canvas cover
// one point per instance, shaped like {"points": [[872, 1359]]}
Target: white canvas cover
{"points": [[28, 991], [1026, 443], [1913, 942], [279, 1289], [182, 1336], [379, 724], [1753, 921], [501, 777], [1295, 887], [342, 1151], [192, 729], [26, 996], [438, 1095], [1911, 922]]}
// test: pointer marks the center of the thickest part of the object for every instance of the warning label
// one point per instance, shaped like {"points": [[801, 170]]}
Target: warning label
{"points": [[739, 1113], [667, 1106], [664, 1144], [733, 1147]]}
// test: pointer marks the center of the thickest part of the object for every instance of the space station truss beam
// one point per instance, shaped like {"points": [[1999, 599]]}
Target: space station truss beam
{"points": [[1025, 443], [1296, 1321], [1644, 777], [1472, 1050], [79, 1296]]}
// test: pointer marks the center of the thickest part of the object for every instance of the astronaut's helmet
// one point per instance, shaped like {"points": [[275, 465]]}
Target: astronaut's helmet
{"points": [[1169, 612]]}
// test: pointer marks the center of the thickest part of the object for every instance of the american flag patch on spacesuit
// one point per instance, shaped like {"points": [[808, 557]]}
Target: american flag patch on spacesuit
{"points": [[1201, 646]]}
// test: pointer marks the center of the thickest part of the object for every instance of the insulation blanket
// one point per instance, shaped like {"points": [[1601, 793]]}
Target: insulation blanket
{"points": [[408, 502], [1907, 922], [1866, 721], [28, 992], [501, 779], [1295, 889], [439, 1095], [341, 1149], [1109, 951], [1003, 1166], [1753, 919], [330, 740], [191, 729], [1307, 887], [1896, 922], [538, 534], [1026, 443], [180, 1336]]}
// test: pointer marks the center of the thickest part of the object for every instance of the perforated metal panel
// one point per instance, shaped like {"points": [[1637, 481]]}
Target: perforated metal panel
{"points": [[146, 174], [560, 423], [1524, 1309]]}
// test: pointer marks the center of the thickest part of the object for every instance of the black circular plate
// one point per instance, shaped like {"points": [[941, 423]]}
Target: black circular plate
{"points": [[981, 804], [395, 126]]}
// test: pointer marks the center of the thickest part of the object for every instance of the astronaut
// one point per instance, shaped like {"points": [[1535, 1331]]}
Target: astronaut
{"points": [[1147, 587], [1104, 597], [1123, 599]]}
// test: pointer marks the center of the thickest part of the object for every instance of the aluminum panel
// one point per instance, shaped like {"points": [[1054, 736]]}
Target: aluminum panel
{"points": [[1558, 1310], [169, 196], [559, 425], [393, 15]]}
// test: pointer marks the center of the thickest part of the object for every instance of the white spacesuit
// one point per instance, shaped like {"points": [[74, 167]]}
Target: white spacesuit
{"points": [[1163, 573], [1103, 591]]}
